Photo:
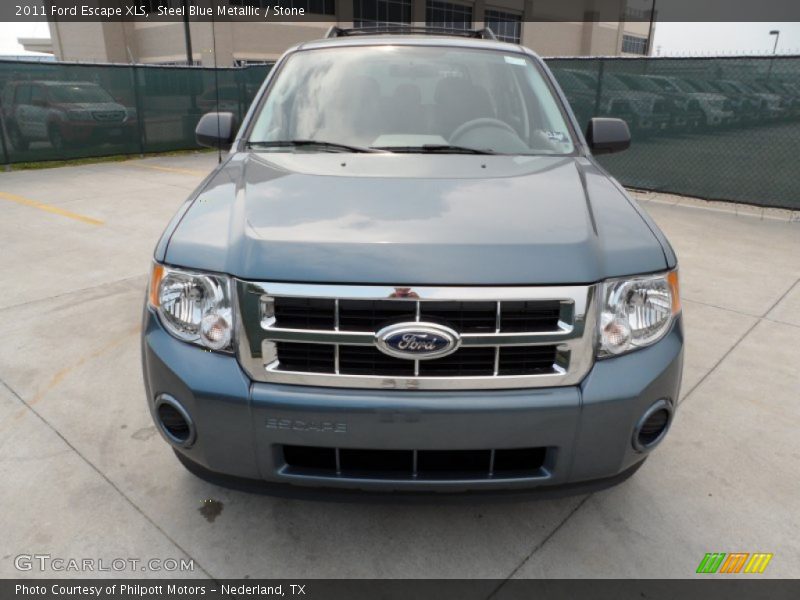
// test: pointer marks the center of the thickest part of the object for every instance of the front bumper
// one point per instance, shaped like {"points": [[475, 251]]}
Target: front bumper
{"points": [[652, 122], [242, 425], [83, 131]]}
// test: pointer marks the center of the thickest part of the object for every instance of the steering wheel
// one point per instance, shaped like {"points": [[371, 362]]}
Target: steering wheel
{"points": [[481, 122]]}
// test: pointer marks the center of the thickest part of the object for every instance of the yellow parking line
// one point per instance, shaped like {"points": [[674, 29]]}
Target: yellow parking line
{"points": [[59, 376], [49, 208], [170, 169]]}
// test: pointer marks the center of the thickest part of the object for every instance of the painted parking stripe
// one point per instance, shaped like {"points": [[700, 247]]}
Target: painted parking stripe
{"points": [[171, 169], [50, 208]]}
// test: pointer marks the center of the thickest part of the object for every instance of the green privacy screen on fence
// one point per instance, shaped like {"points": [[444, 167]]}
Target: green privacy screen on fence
{"points": [[720, 128], [56, 111]]}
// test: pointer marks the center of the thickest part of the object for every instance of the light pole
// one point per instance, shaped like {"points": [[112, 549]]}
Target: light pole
{"points": [[187, 34], [649, 48], [777, 35]]}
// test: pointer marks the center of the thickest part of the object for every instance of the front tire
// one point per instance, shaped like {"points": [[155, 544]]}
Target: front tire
{"points": [[56, 137], [17, 140]]}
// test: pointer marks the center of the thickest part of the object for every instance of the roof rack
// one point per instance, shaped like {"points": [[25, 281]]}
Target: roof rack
{"points": [[485, 33]]}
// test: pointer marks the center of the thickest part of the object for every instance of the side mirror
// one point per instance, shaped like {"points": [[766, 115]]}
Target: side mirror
{"points": [[606, 135], [216, 130]]}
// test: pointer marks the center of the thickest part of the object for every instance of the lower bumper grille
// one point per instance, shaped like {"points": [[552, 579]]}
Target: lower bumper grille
{"points": [[415, 464], [109, 116]]}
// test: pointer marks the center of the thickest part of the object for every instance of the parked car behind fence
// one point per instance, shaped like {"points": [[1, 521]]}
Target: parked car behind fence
{"points": [[64, 113]]}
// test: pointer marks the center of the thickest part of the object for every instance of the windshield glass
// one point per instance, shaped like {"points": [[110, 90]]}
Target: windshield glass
{"points": [[412, 98], [683, 86], [665, 85], [637, 82], [698, 85], [610, 82], [569, 80], [79, 93]]}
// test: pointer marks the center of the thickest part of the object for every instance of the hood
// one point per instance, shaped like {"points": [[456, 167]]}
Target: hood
{"points": [[643, 102], [708, 96], [413, 219], [94, 106]]}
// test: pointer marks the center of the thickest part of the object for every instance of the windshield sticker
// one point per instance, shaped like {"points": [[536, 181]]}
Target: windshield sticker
{"points": [[557, 136], [514, 60]]}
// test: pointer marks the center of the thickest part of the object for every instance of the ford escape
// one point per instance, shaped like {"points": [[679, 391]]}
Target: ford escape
{"points": [[410, 273]]}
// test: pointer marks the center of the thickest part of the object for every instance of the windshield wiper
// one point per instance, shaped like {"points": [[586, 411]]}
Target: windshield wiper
{"points": [[310, 143], [436, 149]]}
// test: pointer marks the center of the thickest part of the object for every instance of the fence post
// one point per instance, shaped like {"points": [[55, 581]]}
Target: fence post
{"points": [[599, 92], [240, 90], [139, 112], [6, 157]]}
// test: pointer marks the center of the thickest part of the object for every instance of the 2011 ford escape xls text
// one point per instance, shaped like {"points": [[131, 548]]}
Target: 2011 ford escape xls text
{"points": [[409, 273]]}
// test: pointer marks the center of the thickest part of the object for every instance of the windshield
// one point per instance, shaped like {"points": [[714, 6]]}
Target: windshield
{"points": [[684, 86], [412, 99], [79, 93], [610, 82], [637, 82], [568, 80], [665, 84], [699, 85]]}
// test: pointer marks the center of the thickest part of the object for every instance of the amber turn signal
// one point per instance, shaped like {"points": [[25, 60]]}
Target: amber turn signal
{"points": [[156, 273], [672, 279]]}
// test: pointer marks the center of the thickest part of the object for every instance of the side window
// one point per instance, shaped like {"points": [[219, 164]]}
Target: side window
{"points": [[229, 93], [37, 96], [23, 95]]}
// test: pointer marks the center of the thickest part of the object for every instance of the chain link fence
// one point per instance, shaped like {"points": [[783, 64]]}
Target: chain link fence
{"points": [[718, 128], [58, 111]]}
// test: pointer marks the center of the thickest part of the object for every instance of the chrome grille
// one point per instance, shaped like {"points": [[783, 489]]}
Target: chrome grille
{"points": [[112, 115], [324, 335], [370, 315]]}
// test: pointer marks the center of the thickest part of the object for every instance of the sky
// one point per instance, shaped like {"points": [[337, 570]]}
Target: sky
{"points": [[671, 39], [714, 39], [9, 32]]}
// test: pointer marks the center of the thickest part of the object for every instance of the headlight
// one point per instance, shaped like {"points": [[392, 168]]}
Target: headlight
{"points": [[636, 312], [194, 307]]}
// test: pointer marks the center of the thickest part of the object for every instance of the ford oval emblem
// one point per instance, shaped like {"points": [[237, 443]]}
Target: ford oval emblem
{"points": [[417, 341]]}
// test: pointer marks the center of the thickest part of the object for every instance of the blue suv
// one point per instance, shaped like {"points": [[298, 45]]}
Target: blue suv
{"points": [[410, 273]]}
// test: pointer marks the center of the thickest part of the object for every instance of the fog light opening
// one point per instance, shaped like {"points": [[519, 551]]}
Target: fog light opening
{"points": [[652, 426], [175, 423]]}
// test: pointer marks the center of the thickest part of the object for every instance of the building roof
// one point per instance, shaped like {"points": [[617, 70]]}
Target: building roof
{"points": [[44, 45]]}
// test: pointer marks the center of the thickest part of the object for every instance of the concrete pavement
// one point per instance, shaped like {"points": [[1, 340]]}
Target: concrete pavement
{"points": [[86, 475]]}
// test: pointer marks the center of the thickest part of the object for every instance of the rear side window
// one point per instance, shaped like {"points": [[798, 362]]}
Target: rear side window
{"points": [[23, 95], [37, 95]]}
